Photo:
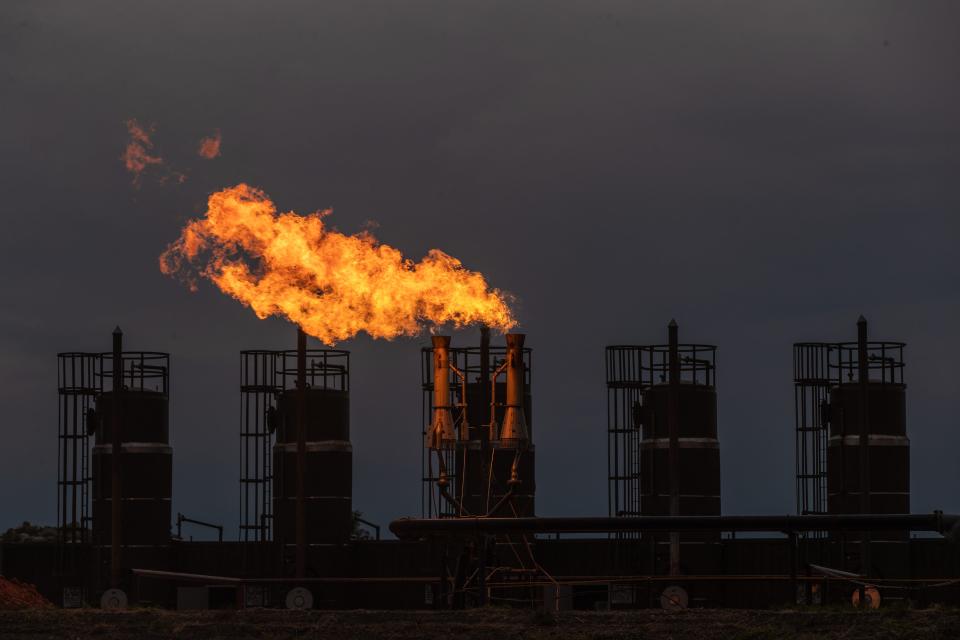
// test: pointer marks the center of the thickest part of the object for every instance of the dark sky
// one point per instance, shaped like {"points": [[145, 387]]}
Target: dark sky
{"points": [[764, 172]]}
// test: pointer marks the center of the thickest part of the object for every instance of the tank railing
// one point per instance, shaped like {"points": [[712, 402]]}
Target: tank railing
{"points": [[696, 371], [642, 366], [328, 369], [147, 372], [326, 372], [885, 363], [138, 368]]}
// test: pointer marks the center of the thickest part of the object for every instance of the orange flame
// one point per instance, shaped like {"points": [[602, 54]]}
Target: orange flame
{"points": [[136, 157], [331, 284], [210, 146]]}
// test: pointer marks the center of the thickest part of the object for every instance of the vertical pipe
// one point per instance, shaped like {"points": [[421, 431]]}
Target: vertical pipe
{"points": [[116, 495], [62, 454], [441, 434], [514, 429], [89, 382], [863, 377], [301, 522], [75, 476], [485, 401], [673, 425], [482, 569], [484, 375], [792, 541]]}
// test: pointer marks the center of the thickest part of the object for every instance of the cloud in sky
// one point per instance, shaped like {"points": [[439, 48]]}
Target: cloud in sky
{"points": [[209, 147]]}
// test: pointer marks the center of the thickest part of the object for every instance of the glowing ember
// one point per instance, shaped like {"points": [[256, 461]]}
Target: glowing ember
{"points": [[210, 147], [136, 157], [331, 284]]}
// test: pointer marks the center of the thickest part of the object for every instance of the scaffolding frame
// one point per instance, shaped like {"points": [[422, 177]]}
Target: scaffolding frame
{"points": [[811, 387], [817, 368], [258, 391], [468, 360], [81, 378], [630, 370], [77, 386], [264, 375]]}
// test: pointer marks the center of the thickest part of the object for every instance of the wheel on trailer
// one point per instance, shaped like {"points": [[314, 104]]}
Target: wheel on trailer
{"points": [[871, 595], [299, 598], [674, 598], [113, 599]]}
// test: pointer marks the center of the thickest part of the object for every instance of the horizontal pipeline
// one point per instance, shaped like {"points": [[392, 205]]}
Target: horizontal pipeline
{"points": [[181, 576], [407, 528]]}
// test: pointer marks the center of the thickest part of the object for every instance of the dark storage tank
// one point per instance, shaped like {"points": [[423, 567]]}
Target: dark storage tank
{"points": [[328, 474], [884, 420], [663, 454], [272, 386], [646, 386], [698, 456], [146, 458]]}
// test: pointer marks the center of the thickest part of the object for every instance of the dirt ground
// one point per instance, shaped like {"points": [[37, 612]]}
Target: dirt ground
{"points": [[18, 595], [698, 624]]}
